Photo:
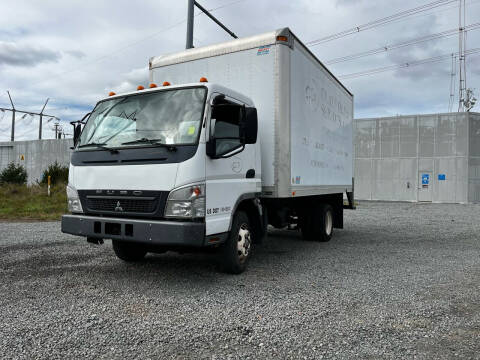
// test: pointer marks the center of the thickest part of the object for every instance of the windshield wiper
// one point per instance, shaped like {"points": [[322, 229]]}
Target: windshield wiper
{"points": [[100, 146], [151, 142]]}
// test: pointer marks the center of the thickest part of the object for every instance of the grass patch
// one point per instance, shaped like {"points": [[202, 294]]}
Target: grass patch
{"points": [[21, 202]]}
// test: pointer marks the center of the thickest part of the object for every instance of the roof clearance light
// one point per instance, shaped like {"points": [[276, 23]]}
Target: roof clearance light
{"points": [[111, 93], [152, 85], [140, 87], [282, 38], [166, 83], [203, 79]]}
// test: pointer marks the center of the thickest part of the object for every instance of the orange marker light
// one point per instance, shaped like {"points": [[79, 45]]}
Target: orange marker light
{"points": [[203, 79], [111, 93], [140, 87], [282, 38], [166, 83], [152, 85], [197, 191]]}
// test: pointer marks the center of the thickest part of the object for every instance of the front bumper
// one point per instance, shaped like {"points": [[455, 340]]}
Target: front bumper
{"points": [[135, 230]]}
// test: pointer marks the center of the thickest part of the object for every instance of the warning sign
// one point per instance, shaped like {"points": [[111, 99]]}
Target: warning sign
{"points": [[22, 157]]}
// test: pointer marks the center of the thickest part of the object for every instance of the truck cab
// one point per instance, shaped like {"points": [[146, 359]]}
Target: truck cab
{"points": [[165, 168]]}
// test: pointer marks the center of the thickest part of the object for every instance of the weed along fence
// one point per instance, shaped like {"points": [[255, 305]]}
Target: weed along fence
{"points": [[35, 155]]}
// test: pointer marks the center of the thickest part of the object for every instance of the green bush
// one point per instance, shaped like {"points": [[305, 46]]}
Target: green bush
{"points": [[13, 174], [58, 173]]}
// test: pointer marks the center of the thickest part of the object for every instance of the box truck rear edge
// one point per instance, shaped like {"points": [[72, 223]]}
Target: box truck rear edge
{"points": [[228, 139]]}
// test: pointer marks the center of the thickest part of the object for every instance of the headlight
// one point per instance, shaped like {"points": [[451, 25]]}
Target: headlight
{"points": [[74, 205], [187, 202]]}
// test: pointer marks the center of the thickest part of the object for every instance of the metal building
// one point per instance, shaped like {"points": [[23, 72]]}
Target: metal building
{"points": [[431, 158]]}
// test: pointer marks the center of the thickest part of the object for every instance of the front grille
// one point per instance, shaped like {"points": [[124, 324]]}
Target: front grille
{"points": [[147, 204], [120, 205]]}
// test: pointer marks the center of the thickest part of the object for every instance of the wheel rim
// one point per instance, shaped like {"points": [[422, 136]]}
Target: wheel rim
{"points": [[244, 242], [328, 223]]}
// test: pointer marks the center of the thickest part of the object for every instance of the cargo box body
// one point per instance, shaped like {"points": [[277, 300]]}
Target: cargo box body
{"points": [[304, 113]]}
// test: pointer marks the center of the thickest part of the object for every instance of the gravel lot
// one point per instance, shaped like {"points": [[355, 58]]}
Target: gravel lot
{"points": [[400, 281]]}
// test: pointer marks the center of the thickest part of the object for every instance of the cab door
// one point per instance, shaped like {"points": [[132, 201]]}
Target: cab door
{"points": [[230, 175]]}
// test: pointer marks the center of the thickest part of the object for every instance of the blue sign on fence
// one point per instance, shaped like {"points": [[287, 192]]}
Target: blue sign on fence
{"points": [[441, 176], [425, 179]]}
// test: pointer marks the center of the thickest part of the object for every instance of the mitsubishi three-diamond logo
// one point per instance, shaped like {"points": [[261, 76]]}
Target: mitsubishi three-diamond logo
{"points": [[118, 207]]}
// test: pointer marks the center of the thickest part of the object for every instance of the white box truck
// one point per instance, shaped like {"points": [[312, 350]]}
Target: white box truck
{"points": [[226, 140]]}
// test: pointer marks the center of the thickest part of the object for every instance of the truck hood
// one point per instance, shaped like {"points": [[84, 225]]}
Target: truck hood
{"points": [[125, 177]]}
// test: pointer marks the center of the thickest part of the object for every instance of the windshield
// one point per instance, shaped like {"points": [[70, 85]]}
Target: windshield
{"points": [[169, 117]]}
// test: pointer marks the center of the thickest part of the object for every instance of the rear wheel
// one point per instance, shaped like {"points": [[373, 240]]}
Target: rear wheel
{"points": [[317, 225], [236, 251], [128, 251]]}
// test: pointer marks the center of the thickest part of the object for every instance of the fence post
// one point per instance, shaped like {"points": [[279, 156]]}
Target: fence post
{"points": [[49, 182]]}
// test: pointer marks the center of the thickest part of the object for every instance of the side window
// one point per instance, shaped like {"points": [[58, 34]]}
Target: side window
{"points": [[227, 127]]}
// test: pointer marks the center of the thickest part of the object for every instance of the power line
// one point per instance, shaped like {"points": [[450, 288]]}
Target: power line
{"points": [[379, 22], [222, 6], [403, 44], [14, 111], [404, 65], [31, 130]]}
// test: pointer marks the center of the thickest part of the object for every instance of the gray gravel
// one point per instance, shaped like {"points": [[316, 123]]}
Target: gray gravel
{"points": [[400, 281]]}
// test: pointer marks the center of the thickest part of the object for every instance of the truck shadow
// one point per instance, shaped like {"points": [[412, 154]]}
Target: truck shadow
{"points": [[278, 256], [279, 253]]}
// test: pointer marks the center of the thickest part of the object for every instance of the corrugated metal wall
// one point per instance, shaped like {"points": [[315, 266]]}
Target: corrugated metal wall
{"points": [[418, 158], [37, 155]]}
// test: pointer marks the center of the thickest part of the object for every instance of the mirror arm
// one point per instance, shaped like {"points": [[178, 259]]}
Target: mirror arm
{"points": [[235, 152]]}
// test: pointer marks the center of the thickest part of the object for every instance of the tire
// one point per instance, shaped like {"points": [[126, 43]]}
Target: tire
{"points": [[236, 251], [128, 251], [318, 224]]}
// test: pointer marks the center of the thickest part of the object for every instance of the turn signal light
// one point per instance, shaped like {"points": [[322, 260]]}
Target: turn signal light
{"points": [[152, 85], [197, 191], [166, 83], [203, 79], [282, 38], [140, 87], [111, 93]]}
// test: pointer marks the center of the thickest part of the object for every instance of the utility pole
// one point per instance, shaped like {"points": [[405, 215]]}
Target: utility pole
{"points": [[41, 121], [58, 130], [453, 75], [56, 125], [12, 136], [191, 8], [462, 86]]}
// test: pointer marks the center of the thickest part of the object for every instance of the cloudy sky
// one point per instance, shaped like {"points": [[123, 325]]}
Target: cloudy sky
{"points": [[75, 52]]}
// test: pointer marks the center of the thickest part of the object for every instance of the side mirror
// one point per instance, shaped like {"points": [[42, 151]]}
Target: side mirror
{"points": [[250, 128], [211, 148], [77, 130]]}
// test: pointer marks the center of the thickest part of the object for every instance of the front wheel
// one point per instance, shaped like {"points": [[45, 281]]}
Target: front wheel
{"points": [[236, 251], [128, 251]]}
